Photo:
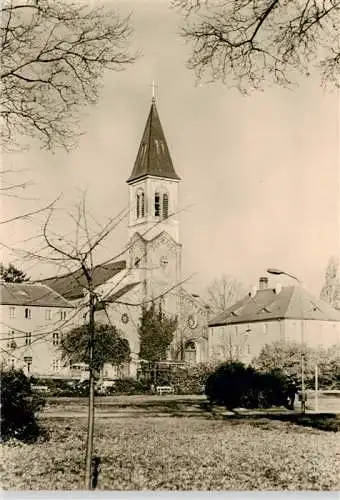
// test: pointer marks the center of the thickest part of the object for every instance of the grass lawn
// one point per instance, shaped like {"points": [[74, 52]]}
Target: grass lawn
{"points": [[178, 453]]}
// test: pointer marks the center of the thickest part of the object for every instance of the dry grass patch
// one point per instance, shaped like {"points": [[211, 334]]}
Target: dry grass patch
{"points": [[172, 453]]}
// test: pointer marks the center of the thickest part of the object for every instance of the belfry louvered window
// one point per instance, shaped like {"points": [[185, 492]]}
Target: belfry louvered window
{"points": [[157, 205], [140, 205], [165, 206]]}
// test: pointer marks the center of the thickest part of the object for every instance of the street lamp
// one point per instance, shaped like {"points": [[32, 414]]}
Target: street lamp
{"points": [[273, 270]]}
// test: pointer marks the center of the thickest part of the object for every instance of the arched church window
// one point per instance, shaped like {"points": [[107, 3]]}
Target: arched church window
{"points": [[165, 206], [157, 205], [190, 345], [140, 205]]}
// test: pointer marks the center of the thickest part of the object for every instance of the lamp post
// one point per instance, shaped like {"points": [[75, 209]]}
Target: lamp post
{"points": [[303, 392]]}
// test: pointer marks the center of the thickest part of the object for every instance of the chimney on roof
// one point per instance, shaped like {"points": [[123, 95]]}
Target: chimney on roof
{"points": [[263, 283]]}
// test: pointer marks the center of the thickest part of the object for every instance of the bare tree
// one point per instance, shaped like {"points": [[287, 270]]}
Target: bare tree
{"points": [[330, 291], [223, 293], [53, 56], [76, 254], [246, 43]]}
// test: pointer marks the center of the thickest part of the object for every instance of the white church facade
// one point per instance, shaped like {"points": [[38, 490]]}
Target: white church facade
{"points": [[154, 255], [152, 267]]}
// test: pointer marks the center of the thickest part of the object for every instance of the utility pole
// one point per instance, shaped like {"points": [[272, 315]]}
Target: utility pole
{"points": [[316, 388], [303, 352], [303, 347], [90, 421]]}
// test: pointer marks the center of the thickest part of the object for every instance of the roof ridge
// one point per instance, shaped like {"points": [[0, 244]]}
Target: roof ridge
{"points": [[57, 293], [57, 276]]}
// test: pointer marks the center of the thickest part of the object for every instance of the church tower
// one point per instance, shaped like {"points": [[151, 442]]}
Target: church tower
{"points": [[154, 242], [153, 184]]}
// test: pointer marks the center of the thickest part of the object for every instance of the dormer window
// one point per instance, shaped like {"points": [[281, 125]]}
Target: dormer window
{"points": [[165, 206], [157, 205], [140, 204]]}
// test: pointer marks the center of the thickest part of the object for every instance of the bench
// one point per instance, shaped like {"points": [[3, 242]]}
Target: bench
{"points": [[165, 389], [40, 388]]}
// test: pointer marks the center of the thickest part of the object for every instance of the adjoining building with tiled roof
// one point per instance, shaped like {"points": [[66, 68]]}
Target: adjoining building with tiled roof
{"points": [[72, 285], [31, 295], [33, 317], [267, 315]]}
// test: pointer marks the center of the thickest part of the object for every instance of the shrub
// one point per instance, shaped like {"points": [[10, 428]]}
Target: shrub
{"points": [[19, 406], [190, 380], [128, 386], [234, 385], [64, 388], [286, 356]]}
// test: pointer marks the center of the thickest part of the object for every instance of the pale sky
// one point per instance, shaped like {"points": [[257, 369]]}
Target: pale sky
{"points": [[259, 173]]}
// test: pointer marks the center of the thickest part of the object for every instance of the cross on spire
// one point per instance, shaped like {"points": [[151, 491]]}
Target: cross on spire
{"points": [[153, 86]]}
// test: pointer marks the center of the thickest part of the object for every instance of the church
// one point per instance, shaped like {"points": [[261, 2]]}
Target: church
{"points": [[152, 268]]}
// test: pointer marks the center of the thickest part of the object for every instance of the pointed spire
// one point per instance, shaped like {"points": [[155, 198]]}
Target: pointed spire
{"points": [[153, 86], [153, 156]]}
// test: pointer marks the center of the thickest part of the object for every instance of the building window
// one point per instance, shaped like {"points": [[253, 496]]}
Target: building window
{"points": [[265, 328], [28, 338], [165, 206], [12, 312], [55, 365], [62, 315], [11, 342], [140, 205], [48, 314], [55, 338], [28, 313], [248, 349], [157, 205]]}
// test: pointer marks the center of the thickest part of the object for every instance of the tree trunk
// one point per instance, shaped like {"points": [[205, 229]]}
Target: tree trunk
{"points": [[90, 422], [90, 432]]}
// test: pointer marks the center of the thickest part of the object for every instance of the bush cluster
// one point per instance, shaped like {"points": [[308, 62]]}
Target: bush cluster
{"points": [[129, 386], [190, 379], [19, 407], [234, 385], [64, 388]]}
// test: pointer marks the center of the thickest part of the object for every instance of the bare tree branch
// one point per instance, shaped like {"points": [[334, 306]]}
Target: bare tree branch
{"points": [[30, 214], [53, 57], [247, 43]]}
